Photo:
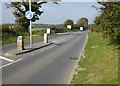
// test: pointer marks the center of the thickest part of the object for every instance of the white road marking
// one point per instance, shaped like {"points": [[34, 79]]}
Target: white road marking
{"points": [[9, 60], [11, 63]]}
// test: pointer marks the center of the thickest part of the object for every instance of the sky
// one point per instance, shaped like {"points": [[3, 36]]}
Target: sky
{"points": [[57, 14]]}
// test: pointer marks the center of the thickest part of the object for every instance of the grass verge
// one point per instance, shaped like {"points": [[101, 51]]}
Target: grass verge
{"points": [[100, 63], [14, 39]]}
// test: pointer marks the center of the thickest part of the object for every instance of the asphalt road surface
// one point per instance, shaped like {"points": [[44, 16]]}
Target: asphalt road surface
{"points": [[53, 64]]}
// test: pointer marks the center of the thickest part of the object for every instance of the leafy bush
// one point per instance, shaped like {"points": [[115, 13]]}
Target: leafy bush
{"points": [[7, 31], [68, 22], [10, 30], [108, 22], [63, 30], [5, 28], [19, 30], [115, 35]]}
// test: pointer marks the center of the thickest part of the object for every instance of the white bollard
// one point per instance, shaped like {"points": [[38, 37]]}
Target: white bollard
{"points": [[20, 43], [45, 38]]}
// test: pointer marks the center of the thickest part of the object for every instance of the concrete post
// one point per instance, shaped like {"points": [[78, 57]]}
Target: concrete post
{"points": [[45, 38]]}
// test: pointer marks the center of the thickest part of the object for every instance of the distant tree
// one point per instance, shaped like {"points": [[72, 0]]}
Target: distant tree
{"points": [[68, 22], [53, 27], [83, 22]]}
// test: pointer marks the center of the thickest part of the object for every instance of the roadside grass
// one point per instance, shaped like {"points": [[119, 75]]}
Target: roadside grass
{"points": [[8, 40], [37, 34], [38, 29], [100, 63], [14, 39], [0, 42]]}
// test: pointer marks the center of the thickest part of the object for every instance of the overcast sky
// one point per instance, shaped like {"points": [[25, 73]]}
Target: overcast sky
{"points": [[57, 14]]}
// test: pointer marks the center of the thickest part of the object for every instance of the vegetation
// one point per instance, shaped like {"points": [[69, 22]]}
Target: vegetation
{"points": [[14, 39], [108, 23], [99, 63], [10, 32], [58, 26], [68, 22], [40, 31], [21, 8], [7, 38], [83, 22]]}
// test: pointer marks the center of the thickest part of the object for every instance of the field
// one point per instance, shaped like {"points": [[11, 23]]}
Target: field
{"points": [[38, 29]]}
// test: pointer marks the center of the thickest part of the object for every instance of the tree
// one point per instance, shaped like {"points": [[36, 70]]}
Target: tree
{"points": [[68, 22], [83, 22], [109, 20], [20, 8], [53, 28]]}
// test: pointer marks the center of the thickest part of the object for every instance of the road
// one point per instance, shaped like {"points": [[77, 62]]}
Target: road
{"points": [[51, 65]]}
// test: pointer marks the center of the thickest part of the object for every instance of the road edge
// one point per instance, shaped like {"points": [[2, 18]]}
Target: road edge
{"points": [[72, 74]]}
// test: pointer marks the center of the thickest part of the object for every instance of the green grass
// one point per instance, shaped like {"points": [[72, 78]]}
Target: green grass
{"points": [[14, 39], [100, 63], [8, 40], [0, 42], [38, 29], [37, 34]]}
